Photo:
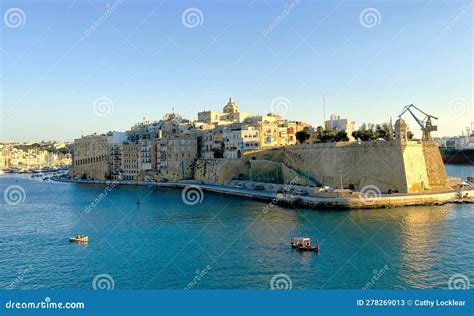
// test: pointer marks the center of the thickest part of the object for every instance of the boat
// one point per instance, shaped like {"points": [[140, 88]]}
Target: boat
{"points": [[1, 171], [79, 238], [304, 244], [457, 156]]}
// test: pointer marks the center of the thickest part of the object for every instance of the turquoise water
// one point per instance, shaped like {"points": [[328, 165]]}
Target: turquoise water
{"points": [[162, 243]]}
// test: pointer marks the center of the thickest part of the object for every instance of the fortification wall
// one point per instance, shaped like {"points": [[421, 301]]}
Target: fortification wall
{"points": [[96, 170], [434, 166], [220, 170], [409, 167]]}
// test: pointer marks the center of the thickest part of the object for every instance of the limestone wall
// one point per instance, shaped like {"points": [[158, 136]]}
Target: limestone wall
{"points": [[409, 167], [220, 170], [434, 167], [96, 170]]}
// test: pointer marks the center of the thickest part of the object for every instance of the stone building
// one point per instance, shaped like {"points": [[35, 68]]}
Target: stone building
{"points": [[231, 114], [175, 157], [131, 161], [90, 156], [238, 140]]}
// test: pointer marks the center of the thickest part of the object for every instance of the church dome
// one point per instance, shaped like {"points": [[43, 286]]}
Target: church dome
{"points": [[231, 107]]}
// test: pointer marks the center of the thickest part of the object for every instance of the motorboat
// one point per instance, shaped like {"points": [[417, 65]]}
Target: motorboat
{"points": [[304, 244], [79, 239]]}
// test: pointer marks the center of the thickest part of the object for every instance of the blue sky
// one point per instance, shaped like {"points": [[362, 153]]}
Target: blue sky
{"points": [[145, 61]]}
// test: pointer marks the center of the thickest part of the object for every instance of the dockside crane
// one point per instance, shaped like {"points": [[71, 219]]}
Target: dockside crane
{"points": [[426, 126]]}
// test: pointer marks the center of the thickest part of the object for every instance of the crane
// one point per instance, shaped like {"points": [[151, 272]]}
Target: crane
{"points": [[426, 126]]}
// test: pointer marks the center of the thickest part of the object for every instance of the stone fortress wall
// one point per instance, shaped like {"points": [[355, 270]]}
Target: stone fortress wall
{"points": [[406, 167]]}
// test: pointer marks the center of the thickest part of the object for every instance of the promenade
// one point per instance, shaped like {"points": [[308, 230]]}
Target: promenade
{"points": [[353, 200]]}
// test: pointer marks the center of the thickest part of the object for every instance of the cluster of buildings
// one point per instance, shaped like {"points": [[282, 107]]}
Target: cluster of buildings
{"points": [[32, 156], [168, 148]]}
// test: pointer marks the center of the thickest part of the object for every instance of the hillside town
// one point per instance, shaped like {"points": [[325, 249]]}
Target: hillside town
{"points": [[31, 156], [168, 148]]}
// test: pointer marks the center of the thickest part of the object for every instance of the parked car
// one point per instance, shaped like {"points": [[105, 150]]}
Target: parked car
{"points": [[164, 180], [259, 187], [300, 192], [326, 188], [240, 186]]}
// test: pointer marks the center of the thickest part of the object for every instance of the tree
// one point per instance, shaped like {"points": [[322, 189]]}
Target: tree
{"points": [[372, 132], [303, 135], [341, 136], [410, 135]]}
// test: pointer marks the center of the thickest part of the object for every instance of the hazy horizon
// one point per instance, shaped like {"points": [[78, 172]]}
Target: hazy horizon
{"points": [[75, 68]]}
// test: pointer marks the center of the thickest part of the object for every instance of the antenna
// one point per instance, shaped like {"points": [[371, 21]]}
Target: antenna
{"points": [[324, 108]]}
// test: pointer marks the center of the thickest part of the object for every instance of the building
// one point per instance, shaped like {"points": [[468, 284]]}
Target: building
{"points": [[175, 157], [238, 140], [90, 157], [229, 115], [335, 122]]}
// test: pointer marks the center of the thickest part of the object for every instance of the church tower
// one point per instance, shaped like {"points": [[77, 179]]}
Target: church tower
{"points": [[231, 107]]}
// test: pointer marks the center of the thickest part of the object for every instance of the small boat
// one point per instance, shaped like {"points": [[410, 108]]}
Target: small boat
{"points": [[79, 238], [304, 244]]}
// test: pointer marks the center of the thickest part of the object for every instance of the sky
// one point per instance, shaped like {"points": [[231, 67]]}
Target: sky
{"points": [[71, 68]]}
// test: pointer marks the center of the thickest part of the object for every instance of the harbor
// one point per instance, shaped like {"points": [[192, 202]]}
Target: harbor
{"points": [[148, 245], [326, 200]]}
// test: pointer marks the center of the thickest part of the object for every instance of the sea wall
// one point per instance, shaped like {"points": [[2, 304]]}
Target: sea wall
{"points": [[387, 165], [220, 170], [96, 170]]}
